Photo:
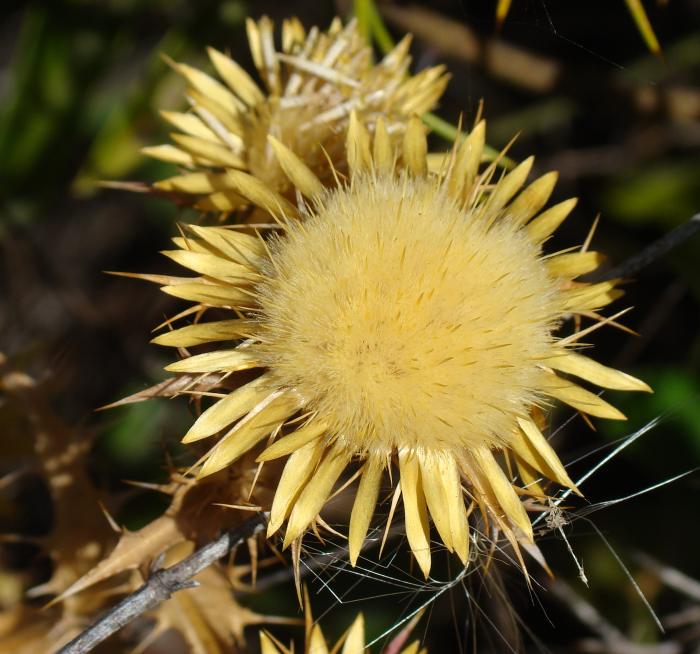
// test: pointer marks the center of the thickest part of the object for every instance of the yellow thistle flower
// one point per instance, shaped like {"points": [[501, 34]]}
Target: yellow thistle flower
{"points": [[311, 87], [352, 642], [402, 317]]}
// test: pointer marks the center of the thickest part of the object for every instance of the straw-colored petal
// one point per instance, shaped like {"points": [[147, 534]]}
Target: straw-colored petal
{"points": [[189, 124], [415, 148], [589, 297], [206, 332], [438, 162], [461, 178], [191, 244], [318, 70], [222, 202], [459, 525], [232, 243], [534, 448], [236, 78], [573, 363], [315, 493], [229, 409], [510, 185], [436, 495], [443, 493], [494, 477], [573, 264], [533, 198], [415, 510], [355, 639], [423, 90], [268, 65], [530, 477], [163, 280], [219, 361], [227, 131], [169, 154], [299, 467], [209, 87], [548, 221], [580, 399], [249, 431], [220, 155], [363, 508], [260, 194], [382, 152], [213, 266], [298, 172], [317, 643], [212, 295], [206, 106], [291, 443], [193, 183], [293, 34], [358, 150], [398, 54], [267, 645], [254, 41]]}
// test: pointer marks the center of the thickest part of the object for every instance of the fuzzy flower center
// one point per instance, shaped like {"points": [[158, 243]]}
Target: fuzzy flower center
{"points": [[405, 321]]}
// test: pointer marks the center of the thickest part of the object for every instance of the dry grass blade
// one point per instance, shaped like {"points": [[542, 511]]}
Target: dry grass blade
{"points": [[172, 387]]}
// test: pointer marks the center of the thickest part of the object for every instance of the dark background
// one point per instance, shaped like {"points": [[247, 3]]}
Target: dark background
{"points": [[81, 84]]}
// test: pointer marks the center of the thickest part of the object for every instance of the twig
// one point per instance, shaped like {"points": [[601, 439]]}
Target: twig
{"points": [[161, 585], [649, 254]]}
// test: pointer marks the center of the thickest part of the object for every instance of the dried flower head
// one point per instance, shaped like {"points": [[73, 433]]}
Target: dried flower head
{"points": [[311, 87], [401, 317], [352, 642]]}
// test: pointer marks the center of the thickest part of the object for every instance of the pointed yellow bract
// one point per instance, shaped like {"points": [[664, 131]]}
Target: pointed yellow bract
{"points": [[297, 471], [352, 642], [416, 512], [294, 441], [309, 88], [363, 508], [311, 500], [228, 410], [394, 318]]}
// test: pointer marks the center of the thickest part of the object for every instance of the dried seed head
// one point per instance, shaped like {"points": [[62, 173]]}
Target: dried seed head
{"points": [[352, 642], [311, 86]]}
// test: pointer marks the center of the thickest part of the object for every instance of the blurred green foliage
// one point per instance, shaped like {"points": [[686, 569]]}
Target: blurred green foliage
{"points": [[82, 86], [662, 194]]}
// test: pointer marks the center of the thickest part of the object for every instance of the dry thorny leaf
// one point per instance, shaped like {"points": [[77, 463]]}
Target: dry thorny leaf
{"points": [[83, 583]]}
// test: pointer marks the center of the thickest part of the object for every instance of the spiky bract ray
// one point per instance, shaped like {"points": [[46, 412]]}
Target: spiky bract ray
{"points": [[310, 88], [352, 641], [401, 318]]}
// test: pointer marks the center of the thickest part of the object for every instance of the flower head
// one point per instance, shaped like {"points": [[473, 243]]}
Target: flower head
{"points": [[311, 87], [400, 317], [352, 642]]}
